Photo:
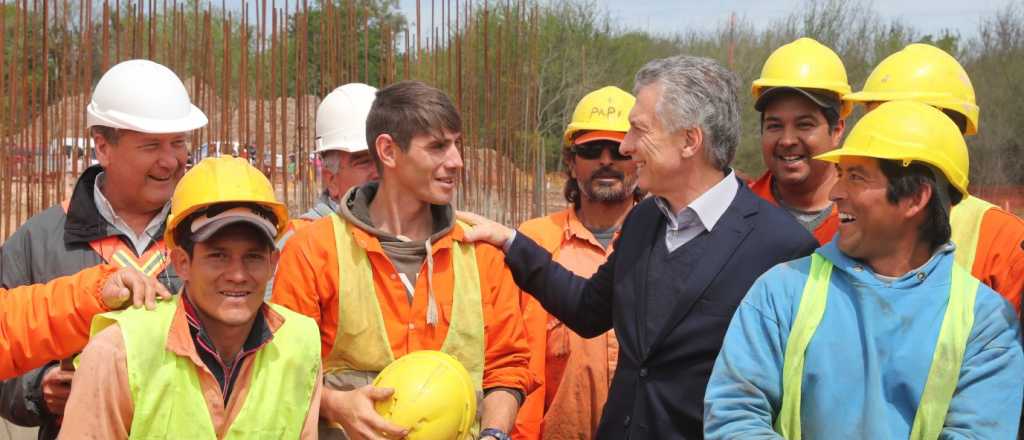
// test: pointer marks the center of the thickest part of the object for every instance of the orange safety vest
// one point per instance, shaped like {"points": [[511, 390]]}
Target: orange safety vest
{"points": [[115, 251]]}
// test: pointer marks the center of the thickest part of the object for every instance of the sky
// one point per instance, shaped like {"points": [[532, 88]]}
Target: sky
{"points": [[672, 16]]}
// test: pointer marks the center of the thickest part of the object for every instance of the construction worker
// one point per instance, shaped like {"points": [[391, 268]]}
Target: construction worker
{"points": [[42, 322], [217, 362], [341, 144], [878, 334], [601, 189], [989, 240], [140, 116], [800, 97], [390, 274]]}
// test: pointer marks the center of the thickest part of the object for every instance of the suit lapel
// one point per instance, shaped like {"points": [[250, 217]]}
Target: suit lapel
{"points": [[647, 237], [726, 237]]}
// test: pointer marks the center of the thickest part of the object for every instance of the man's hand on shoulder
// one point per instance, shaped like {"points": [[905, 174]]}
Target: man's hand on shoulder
{"points": [[486, 230], [128, 286]]}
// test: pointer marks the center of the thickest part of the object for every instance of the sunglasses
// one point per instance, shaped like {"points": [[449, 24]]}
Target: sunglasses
{"points": [[593, 150]]}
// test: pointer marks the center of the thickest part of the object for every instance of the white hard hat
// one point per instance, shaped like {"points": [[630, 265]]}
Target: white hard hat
{"points": [[143, 96], [341, 118]]}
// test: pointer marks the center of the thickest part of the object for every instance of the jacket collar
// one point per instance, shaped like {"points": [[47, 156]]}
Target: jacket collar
{"points": [[84, 221], [181, 342], [860, 273]]}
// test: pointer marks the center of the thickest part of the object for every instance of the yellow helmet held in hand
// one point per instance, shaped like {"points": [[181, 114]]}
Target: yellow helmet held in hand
{"points": [[605, 109], [909, 131], [434, 396], [219, 180], [805, 64], [924, 73]]}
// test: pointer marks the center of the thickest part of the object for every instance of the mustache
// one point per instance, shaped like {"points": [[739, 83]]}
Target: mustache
{"points": [[607, 172]]}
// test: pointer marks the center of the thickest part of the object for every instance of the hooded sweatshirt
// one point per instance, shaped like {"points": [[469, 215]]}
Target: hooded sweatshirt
{"points": [[407, 255], [868, 361]]}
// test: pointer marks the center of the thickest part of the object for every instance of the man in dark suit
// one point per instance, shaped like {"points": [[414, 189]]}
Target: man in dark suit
{"points": [[684, 259]]}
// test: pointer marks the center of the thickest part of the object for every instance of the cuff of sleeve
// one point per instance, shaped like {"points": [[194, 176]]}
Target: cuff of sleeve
{"points": [[508, 243], [97, 289], [518, 394]]}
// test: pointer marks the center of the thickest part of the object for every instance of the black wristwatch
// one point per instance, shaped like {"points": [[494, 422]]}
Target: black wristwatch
{"points": [[496, 433]]}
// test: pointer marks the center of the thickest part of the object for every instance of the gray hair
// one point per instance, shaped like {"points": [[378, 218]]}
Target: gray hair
{"points": [[330, 160], [697, 92], [110, 134]]}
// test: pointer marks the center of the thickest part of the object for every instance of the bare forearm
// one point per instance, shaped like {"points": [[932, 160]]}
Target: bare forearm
{"points": [[500, 409]]}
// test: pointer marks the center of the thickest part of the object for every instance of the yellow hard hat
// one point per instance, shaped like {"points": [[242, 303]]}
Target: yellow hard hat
{"points": [[221, 180], [925, 73], [434, 396], [805, 64], [909, 131], [605, 109]]}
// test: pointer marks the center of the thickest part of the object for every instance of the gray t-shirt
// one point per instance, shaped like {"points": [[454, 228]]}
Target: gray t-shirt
{"points": [[604, 236], [810, 220]]}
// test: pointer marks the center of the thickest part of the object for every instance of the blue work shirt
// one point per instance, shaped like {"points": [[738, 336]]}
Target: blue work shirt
{"points": [[868, 361]]}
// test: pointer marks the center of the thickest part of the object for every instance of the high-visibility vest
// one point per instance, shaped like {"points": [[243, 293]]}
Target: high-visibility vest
{"points": [[942, 375], [114, 251], [965, 220], [165, 389], [361, 346]]}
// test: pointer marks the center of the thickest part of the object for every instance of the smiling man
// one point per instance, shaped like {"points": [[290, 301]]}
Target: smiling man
{"points": [[141, 119], [392, 274], [601, 189], [800, 97], [878, 334], [682, 261], [989, 240], [218, 362]]}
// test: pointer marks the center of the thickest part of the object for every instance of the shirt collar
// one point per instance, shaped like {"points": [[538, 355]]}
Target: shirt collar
{"points": [[574, 228], [862, 273], [708, 208], [258, 335], [107, 212]]}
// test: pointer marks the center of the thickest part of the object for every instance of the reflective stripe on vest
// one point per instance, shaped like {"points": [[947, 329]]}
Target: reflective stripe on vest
{"points": [[361, 346], [114, 251], [942, 375], [165, 389], [965, 220]]}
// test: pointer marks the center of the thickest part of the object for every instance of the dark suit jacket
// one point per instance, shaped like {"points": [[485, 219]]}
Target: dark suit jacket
{"points": [[658, 388]]}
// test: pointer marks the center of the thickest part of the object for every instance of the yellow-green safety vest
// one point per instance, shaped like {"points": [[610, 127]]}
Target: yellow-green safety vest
{"points": [[965, 220], [942, 375], [169, 402], [361, 343]]}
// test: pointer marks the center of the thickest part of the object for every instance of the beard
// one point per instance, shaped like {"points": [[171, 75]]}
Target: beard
{"points": [[602, 193]]}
